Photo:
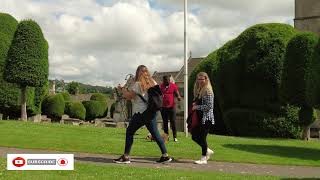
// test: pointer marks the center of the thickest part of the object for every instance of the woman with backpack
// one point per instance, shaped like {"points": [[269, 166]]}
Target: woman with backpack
{"points": [[144, 89], [203, 107]]}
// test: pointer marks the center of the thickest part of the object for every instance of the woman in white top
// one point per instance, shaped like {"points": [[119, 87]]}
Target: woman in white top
{"points": [[143, 81]]}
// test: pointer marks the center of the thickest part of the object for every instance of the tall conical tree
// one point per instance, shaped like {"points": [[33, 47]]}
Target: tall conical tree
{"points": [[27, 60]]}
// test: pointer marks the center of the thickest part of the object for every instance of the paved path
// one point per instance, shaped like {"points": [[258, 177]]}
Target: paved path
{"points": [[184, 164]]}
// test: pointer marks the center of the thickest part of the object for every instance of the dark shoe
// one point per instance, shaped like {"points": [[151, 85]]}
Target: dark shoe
{"points": [[164, 159], [122, 160]]}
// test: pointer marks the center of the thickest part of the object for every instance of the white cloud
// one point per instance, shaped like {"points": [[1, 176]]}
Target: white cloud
{"points": [[99, 42]]}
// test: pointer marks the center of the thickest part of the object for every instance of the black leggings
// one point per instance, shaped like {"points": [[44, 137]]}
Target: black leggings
{"points": [[199, 135]]}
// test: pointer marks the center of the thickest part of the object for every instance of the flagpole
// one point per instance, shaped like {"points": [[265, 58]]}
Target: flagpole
{"points": [[185, 69]]}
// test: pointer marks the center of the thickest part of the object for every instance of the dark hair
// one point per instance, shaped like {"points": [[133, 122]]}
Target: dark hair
{"points": [[166, 78]]}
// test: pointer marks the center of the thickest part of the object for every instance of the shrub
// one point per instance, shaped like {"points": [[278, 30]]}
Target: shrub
{"points": [[54, 106], [246, 76], [76, 110], [94, 109], [27, 59], [98, 97], [313, 79], [66, 96]]}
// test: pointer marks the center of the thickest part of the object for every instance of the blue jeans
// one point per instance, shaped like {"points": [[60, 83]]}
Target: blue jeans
{"points": [[137, 122]]}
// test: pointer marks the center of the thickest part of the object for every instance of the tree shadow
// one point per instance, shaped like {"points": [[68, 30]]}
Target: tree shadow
{"points": [[300, 178], [281, 151]]}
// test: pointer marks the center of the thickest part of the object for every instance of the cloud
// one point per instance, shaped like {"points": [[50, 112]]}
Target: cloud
{"points": [[100, 41]]}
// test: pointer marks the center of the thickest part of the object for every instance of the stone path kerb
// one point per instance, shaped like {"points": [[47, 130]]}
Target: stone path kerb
{"points": [[184, 164]]}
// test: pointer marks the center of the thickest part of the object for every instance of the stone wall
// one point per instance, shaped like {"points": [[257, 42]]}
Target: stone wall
{"points": [[307, 15]]}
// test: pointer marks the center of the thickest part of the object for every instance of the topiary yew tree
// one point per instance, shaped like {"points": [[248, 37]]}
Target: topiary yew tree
{"points": [[297, 66], [27, 60]]}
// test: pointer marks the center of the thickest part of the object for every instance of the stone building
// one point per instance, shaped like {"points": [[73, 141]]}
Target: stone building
{"points": [[307, 15]]}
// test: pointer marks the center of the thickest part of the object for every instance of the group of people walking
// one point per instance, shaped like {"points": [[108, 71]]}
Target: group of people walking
{"points": [[143, 95]]}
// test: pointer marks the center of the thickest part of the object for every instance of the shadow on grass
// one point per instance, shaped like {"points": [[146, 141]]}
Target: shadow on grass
{"points": [[281, 151], [300, 178]]}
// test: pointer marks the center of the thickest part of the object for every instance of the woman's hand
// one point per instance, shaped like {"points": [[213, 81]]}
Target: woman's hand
{"points": [[194, 106]]}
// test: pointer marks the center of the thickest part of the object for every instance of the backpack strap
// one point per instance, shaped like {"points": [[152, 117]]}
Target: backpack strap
{"points": [[142, 98]]}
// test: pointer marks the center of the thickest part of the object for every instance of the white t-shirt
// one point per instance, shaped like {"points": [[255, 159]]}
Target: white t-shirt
{"points": [[137, 103]]}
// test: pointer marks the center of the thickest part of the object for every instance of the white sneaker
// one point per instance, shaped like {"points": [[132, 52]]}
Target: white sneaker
{"points": [[203, 160], [209, 153], [175, 140]]}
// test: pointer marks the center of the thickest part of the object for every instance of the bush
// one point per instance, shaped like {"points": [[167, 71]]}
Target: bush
{"points": [[27, 60], [95, 109], [66, 96], [297, 65], [98, 97], [249, 122], [313, 79], [246, 76], [53, 106], [76, 110], [9, 93]]}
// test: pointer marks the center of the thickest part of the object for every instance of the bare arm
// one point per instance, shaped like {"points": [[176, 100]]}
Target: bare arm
{"points": [[127, 93]]}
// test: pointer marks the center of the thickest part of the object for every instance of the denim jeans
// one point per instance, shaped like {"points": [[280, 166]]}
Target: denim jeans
{"points": [[135, 123]]}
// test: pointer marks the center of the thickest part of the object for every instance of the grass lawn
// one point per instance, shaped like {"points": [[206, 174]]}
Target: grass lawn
{"points": [[91, 171], [111, 141]]}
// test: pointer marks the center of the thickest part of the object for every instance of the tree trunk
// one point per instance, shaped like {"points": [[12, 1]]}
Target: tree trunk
{"points": [[306, 133], [23, 103], [306, 119]]}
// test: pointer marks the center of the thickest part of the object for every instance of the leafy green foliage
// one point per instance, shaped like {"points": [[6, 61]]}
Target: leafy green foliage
{"points": [[246, 77], [95, 109], [66, 96], [53, 106], [73, 87], [98, 97], [27, 60], [75, 110]]}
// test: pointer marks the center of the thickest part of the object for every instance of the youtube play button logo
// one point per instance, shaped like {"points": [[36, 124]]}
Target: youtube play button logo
{"points": [[18, 162]]}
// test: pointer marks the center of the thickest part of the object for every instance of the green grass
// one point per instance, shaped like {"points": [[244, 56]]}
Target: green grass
{"points": [[91, 171], [111, 141]]}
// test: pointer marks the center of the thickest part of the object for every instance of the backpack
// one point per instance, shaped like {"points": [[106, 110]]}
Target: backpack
{"points": [[154, 99]]}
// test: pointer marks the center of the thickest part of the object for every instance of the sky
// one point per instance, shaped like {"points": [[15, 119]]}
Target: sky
{"points": [[99, 42]]}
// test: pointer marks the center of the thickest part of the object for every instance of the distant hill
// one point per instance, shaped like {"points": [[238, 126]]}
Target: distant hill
{"points": [[84, 88]]}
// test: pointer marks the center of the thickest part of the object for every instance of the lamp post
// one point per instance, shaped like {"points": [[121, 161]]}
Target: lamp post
{"points": [[185, 69]]}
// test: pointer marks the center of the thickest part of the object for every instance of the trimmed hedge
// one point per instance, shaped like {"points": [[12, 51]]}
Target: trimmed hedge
{"points": [[75, 110], [9, 93], [66, 96], [246, 74], [297, 65], [27, 60], [98, 97], [313, 79], [53, 106], [95, 109]]}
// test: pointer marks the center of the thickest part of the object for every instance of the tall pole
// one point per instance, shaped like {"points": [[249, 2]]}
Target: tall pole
{"points": [[185, 69]]}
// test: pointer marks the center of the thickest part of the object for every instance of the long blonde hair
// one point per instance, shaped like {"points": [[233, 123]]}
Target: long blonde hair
{"points": [[198, 91], [146, 81]]}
